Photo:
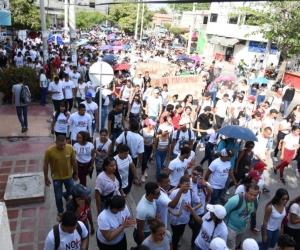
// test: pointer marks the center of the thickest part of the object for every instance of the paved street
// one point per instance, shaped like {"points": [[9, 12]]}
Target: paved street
{"points": [[31, 223]]}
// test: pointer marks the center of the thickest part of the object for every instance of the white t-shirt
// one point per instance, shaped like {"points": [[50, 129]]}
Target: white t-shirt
{"points": [[110, 222], [74, 77], [138, 81], [292, 142], [148, 137], [105, 185], [19, 61], [135, 108], [275, 102], [162, 205], [255, 125], [190, 162], [134, 141], [164, 95], [53, 87], [201, 196], [183, 136], [238, 106], [61, 122], [79, 123], [177, 167], [68, 89], [269, 122], [260, 146], [44, 81], [240, 189], [102, 147], [83, 152], [92, 88], [126, 93], [154, 106], [185, 199], [222, 108], [205, 103], [209, 232], [147, 93], [144, 210], [123, 166], [284, 123], [294, 209], [67, 240], [81, 90], [90, 108], [220, 171]]}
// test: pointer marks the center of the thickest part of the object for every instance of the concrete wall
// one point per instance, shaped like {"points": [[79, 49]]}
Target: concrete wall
{"points": [[5, 238]]}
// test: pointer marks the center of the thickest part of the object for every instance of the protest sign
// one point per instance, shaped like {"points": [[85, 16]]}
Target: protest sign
{"points": [[156, 69]]}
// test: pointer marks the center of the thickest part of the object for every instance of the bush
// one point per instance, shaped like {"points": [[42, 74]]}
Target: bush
{"points": [[9, 77], [177, 31]]}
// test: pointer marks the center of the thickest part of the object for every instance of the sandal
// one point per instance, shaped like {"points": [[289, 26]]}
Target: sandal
{"points": [[255, 230]]}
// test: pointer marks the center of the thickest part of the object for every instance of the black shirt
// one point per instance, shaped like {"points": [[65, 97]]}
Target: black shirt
{"points": [[3, 61], [205, 122], [116, 118]]}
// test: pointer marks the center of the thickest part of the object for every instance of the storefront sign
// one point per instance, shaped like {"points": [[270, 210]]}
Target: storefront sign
{"points": [[261, 47]]}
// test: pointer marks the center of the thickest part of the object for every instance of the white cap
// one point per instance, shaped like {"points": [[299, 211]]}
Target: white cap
{"points": [[218, 244], [250, 244], [218, 210], [183, 121]]}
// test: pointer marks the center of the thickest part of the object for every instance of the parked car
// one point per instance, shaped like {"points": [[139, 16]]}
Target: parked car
{"points": [[176, 46]]}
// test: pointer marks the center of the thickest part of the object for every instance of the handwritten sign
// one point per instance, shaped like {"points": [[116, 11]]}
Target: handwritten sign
{"points": [[156, 69]]}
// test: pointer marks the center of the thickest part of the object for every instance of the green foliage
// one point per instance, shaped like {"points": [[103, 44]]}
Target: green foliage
{"points": [[167, 26], [125, 16], [25, 15], [277, 21], [177, 31], [9, 77], [86, 19], [162, 10], [180, 7]]}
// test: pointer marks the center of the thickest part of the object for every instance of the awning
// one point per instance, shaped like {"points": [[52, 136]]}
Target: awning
{"points": [[216, 39], [229, 42]]}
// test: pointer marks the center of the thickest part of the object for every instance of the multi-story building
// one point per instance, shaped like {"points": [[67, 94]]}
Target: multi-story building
{"points": [[199, 17], [230, 38]]}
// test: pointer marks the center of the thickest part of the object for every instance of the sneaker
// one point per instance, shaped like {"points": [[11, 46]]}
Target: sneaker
{"points": [[297, 173], [143, 178], [265, 190], [227, 192], [275, 170], [145, 174], [59, 217], [275, 158], [23, 130], [179, 242], [282, 181]]}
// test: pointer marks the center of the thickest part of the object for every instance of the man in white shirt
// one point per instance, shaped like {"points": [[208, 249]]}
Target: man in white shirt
{"points": [[92, 110], [69, 92], [74, 76], [139, 80], [237, 106], [255, 124], [19, 60], [154, 106], [276, 100], [55, 89], [269, 121], [222, 109]]}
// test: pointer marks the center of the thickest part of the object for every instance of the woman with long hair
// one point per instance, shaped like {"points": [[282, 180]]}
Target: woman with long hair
{"points": [[296, 114], [108, 183], [81, 90], [160, 238], [103, 147], [187, 114], [60, 120], [187, 101], [275, 211], [289, 150], [85, 156], [292, 228], [111, 224], [212, 226], [134, 108], [147, 92]]}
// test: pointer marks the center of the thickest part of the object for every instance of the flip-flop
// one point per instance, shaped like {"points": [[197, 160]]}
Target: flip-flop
{"points": [[255, 230]]}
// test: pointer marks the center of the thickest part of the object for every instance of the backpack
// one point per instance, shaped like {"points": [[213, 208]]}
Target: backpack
{"points": [[239, 205], [116, 152], [177, 137], [25, 96], [57, 236], [97, 98]]}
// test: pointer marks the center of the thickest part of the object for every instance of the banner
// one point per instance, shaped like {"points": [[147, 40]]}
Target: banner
{"points": [[181, 85], [156, 69]]}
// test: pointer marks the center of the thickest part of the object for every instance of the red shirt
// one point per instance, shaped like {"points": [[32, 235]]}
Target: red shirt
{"points": [[175, 121], [56, 63]]}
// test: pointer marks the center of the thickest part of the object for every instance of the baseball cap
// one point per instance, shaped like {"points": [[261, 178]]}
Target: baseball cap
{"points": [[227, 152], [254, 174], [150, 122], [251, 98], [273, 111], [79, 189], [62, 65], [140, 73], [183, 121], [250, 244], [218, 210], [218, 244], [259, 166], [88, 95], [156, 91], [207, 108]]}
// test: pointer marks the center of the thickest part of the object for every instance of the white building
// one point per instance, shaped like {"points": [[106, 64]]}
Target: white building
{"points": [[200, 17], [227, 35]]}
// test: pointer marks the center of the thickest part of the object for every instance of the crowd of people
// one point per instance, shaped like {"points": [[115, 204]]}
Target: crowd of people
{"points": [[141, 123]]}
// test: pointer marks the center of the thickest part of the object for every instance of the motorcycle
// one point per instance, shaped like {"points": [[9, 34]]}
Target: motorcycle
{"points": [[277, 85]]}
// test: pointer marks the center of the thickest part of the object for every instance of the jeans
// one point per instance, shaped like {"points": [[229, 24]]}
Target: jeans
{"points": [[23, 119], [160, 157], [114, 136], [43, 95], [295, 233], [272, 239], [214, 197], [79, 100], [222, 196], [270, 143], [286, 104], [153, 117], [137, 117], [97, 166], [178, 231], [208, 153], [104, 114], [213, 97], [260, 98], [146, 156], [58, 192]]}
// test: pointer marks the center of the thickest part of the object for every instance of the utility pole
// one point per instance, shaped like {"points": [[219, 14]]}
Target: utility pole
{"points": [[72, 19], [45, 33], [66, 17], [191, 29], [142, 21], [137, 21]]}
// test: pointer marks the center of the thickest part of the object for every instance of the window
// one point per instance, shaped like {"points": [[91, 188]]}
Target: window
{"points": [[233, 20], [205, 20], [250, 20], [213, 18]]}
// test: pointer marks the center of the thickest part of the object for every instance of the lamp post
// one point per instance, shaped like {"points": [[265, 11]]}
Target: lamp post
{"points": [[45, 33], [142, 21], [137, 21], [191, 28]]}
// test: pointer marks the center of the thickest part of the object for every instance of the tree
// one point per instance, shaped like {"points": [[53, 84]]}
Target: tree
{"points": [[125, 16], [167, 26], [276, 21], [180, 7], [177, 31], [24, 15], [162, 10], [86, 19]]}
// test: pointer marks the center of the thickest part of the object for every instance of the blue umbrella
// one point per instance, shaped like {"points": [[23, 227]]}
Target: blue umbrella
{"points": [[260, 80], [105, 47], [126, 46], [110, 59], [238, 132], [82, 42], [57, 39]]}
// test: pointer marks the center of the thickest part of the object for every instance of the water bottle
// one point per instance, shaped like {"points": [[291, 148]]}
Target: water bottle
{"points": [[199, 186]]}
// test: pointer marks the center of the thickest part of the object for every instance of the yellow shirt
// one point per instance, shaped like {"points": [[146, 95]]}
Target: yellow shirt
{"points": [[60, 161]]}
